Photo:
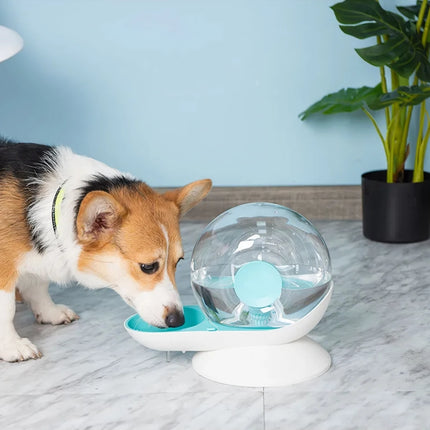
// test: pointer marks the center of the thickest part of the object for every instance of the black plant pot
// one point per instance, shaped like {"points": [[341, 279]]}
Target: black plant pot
{"points": [[397, 213]]}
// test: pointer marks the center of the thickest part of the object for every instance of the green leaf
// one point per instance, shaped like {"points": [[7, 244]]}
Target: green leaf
{"points": [[345, 100], [405, 96], [363, 31], [424, 71], [410, 12], [401, 48], [379, 55], [356, 11]]}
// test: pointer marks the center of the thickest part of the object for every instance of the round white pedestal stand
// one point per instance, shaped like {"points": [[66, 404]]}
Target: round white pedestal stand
{"points": [[264, 365]]}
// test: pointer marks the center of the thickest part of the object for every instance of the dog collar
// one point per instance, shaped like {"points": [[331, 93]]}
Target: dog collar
{"points": [[56, 207]]}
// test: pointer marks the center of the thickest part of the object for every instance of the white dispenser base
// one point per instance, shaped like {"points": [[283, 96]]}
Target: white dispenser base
{"points": [[245, 357], [264, 365]]}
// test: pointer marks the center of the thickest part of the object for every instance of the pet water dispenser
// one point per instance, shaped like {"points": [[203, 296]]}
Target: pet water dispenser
{"points": [[261, 275]]}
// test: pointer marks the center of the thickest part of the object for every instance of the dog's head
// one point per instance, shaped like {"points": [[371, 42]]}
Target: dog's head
{"points": [[131, 242]]}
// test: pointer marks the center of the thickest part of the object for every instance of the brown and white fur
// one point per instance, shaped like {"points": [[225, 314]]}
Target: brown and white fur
{"points": [[114, 231]]}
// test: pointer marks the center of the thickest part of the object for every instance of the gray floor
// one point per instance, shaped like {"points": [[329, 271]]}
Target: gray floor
{"points": [[377, 330]]}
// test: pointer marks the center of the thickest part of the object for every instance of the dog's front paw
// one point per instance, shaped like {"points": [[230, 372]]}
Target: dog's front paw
{"points": [[56, 314], [18, 349]]}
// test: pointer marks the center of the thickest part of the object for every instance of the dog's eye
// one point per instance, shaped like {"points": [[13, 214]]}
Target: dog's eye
{"points": [[181, 258], [149, 268]]}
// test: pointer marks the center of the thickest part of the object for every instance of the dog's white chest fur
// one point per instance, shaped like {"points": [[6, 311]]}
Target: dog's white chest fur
{"points": [[50, 266]]}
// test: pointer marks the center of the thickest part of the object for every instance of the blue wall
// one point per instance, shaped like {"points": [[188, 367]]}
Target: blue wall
{"points": [[175, 90]]}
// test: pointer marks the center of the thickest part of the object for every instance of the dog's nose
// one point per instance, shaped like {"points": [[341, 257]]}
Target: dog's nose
{"points": [[175, 318]]}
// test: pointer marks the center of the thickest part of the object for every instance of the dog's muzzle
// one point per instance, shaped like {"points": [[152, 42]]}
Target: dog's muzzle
{"points": [[175, 318]]}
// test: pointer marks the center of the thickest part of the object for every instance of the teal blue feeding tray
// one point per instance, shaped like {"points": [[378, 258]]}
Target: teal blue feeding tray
{"points": [[195, 320], [261, 275]]}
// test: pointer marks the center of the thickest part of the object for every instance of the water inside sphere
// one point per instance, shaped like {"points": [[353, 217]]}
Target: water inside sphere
{"points": [[260, 265]]}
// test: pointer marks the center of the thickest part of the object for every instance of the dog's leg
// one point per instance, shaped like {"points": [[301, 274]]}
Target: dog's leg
{"points": [[15, 242], [35, 292], [12, 347], [18, 297]]}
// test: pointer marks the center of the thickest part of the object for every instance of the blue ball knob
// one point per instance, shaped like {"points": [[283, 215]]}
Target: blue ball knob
{"points": [[258, 284]]}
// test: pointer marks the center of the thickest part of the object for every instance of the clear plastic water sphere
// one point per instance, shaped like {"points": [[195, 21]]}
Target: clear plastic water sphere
{"points": [[260, 265]]}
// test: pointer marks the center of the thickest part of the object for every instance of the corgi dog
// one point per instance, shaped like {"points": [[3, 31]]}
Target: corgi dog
{"points": [[66, 217]]}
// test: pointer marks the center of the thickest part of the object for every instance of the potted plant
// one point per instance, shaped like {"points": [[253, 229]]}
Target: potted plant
{"points": [[396, 201]]}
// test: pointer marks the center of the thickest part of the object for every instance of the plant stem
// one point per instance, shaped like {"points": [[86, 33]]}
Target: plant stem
{"points": [[418, 162], [408, 122], [421, 15], [426, 28], [422, 155], [421, 150], [378, 130], [394, 133], [384, 143], [418, 175], [404, 142], [384, 85]]}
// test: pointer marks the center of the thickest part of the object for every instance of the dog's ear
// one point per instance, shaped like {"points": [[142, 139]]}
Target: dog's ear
{"points": [[187, 197], [98, 217]]}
